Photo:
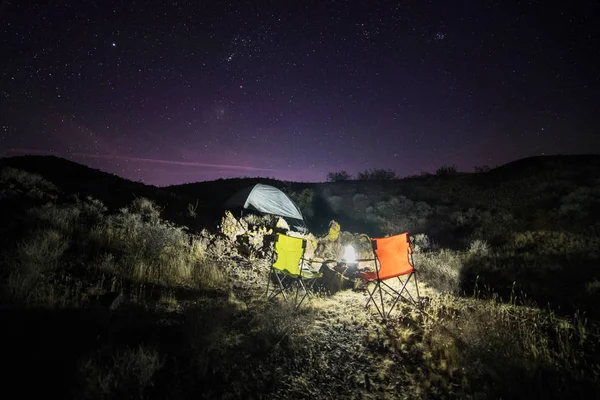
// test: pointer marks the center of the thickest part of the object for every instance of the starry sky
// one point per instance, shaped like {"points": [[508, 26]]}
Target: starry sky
{"points": [[174, 92]]}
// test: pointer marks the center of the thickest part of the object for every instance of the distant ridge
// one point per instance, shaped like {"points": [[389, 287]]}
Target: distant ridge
{"points": [[521, 188], [116, 191], [548, 166], [559, 160], [72, 175], [72, 178]]}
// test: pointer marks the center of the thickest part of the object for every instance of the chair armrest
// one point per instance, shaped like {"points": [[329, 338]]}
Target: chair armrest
{"points": [[308, 261]]}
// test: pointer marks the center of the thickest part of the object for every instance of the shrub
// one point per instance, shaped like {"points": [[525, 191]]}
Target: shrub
{"points": [[479, 248], [360, 202], [62, 218], [446, 170], [191, 211], [420, 243], [148, 250], [42, 250], [25, 181], [127, 373], [146, 208], [581, 207], [335, 203], [441, 269], [338, 176], [304, 200], [482, 168], [29, 265], [378, 174], [398, 214]]}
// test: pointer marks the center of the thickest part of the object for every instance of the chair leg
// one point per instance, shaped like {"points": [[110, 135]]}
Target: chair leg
{"points": [[268, 282], [415, 302], [312, 285], [395, 294], [417, 286], [370, 294], [301, 283], [281, 289], [399, 294], [372, 299], [381, 297]]}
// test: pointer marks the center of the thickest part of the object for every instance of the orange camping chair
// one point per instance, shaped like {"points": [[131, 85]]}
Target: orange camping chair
{"points": [[393, 259]]}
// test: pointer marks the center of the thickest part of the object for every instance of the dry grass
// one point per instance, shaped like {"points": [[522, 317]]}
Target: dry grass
{"points": [[127, 373], [441, 269]]}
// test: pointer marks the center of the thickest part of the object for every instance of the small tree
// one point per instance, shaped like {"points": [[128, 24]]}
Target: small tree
{"points": [[378, 174], [338, 176], [446, 170]]}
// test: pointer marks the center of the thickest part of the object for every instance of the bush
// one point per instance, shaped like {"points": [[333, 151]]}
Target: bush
{"points": [[335, 203], [304, 200], [146, 209], [446, 170], [25, 181], [378, 174], [191, 211], [338, 176], [33, 259], [360, 202], [420, 243], [398, 214], [148, 250], [479, 248], [127, 373], [441, 269], [482, 168], [42, 250]]}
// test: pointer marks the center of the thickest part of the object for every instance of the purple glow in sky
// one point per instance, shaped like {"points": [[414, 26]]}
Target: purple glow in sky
{"points": [[184, 92]]}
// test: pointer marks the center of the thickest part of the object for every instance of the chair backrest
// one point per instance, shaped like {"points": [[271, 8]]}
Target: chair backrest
{"points": [[289, 251], [394, 255]]}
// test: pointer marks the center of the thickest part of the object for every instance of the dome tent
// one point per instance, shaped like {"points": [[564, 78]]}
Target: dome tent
{"points": [[266, 199]]}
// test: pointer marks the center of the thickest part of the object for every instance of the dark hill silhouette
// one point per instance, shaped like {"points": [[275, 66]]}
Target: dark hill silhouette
{"points": [[552, 161], [74, 178], [551, 166]]}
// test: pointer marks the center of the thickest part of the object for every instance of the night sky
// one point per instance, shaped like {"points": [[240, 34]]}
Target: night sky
{"points": [[192, 91]]}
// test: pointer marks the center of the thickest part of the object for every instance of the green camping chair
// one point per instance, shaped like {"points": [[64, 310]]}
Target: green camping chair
{"points": [[288, 268]]}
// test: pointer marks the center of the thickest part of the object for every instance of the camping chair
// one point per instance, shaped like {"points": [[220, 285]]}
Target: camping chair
{"points": [[287, 267], [393, 259]]}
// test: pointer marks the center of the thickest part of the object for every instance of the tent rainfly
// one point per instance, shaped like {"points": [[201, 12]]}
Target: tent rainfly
{"points": [[267, 199]]}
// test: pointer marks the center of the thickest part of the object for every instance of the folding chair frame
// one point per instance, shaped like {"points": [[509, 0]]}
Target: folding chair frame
{"points": [[286, 281], [381, 285]]}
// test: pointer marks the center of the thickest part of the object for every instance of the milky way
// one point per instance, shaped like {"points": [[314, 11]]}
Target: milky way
{"points": [[191, 91]]}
